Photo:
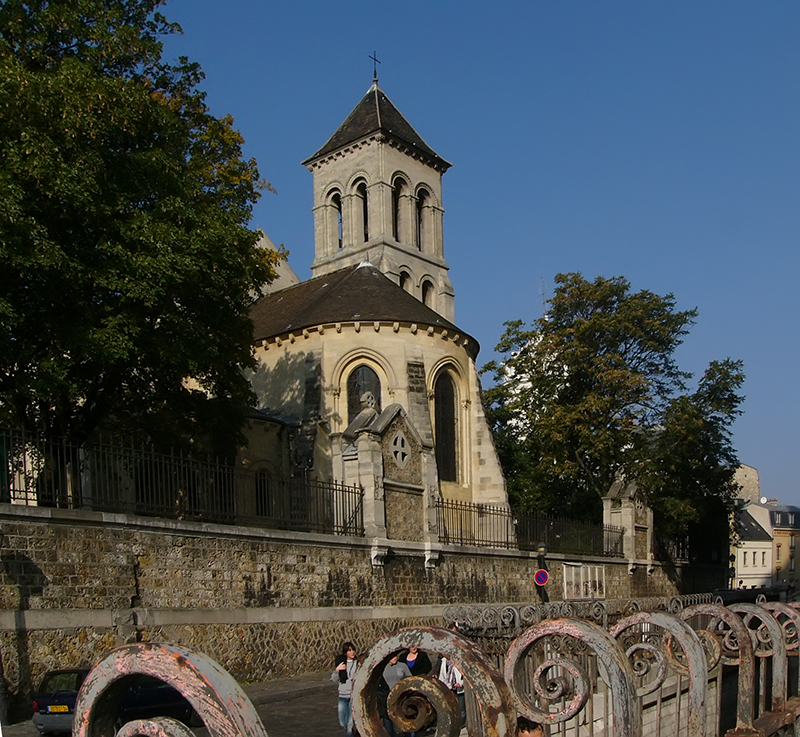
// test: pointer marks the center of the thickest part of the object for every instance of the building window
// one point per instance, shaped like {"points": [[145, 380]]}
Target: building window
{"points": [[791, 565], [754, 557], [791, 518], [778, 552], [335, 220], [791, 542], [744, 559], [428, 295], [399, 199], [444, 397], [363, 208], [362, 380], [422, 220], [405, 281], [763, 558]]}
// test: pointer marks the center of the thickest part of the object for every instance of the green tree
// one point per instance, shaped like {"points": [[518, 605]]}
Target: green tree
{"points": [[593, 391], [128, 266]]}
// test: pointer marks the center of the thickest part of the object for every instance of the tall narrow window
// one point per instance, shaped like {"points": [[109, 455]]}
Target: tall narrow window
{"points": [[399, 193], [363, 206], [444, 397], [422, 225], [405, 281], [427, 295], [362, 380], [336, 200]]}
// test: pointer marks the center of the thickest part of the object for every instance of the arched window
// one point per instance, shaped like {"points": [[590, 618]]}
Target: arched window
{"points": [[444, 399], [422, 220], [362, 210], [399, 192], [428, 296], [336, 201], [405, 281], [361, 381]]}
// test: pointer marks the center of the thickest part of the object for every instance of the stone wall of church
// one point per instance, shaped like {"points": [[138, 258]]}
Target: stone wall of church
{"points": [[305, 376], [265, 604]]}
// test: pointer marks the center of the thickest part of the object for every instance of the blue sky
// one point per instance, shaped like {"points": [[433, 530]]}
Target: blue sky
{"points": [[651, 139]]}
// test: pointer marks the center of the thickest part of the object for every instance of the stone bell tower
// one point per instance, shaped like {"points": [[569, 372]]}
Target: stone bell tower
{"points": [[378, 198]]}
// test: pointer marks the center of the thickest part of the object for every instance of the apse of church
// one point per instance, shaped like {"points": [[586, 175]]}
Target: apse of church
{"points": [[363, 360]]}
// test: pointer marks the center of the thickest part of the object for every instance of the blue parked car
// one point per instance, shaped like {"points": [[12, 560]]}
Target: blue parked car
{"points": [[54, 701]]}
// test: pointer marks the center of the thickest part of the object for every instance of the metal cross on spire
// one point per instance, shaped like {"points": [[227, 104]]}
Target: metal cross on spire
{"points": [[375, 62]]}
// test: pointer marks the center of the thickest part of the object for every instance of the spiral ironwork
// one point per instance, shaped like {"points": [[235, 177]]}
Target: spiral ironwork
{"points": [[155, 727], [214, 695], [491, 692], [617, 673], [415, 703]]}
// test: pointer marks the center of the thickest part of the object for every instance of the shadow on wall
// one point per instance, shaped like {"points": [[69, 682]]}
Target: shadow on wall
{"points": [[281, 388], [30, 581]]}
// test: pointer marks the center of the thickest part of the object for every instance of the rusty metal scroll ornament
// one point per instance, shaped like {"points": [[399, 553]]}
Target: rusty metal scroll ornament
{"points": [[692, 664], [491, 692], [212, 692], [770, 635], [155, 727], [736, 639], [614, 667], [789, 619], [416, 702]]}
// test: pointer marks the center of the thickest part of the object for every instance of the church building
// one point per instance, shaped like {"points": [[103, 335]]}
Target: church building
{"points": [[364, 359]]}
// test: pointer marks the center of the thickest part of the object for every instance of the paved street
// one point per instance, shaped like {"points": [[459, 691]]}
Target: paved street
{"points": [[304, 706]]}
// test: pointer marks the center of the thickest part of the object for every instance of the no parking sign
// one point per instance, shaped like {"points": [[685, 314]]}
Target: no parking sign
{"points": [[541, 577]]}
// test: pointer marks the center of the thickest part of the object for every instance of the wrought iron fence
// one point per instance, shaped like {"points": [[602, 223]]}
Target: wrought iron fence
{"points": [[108, 476], [485, 525]]}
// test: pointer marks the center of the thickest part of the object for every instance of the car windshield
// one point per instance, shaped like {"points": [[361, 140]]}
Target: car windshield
{"points": [[67, 681]]}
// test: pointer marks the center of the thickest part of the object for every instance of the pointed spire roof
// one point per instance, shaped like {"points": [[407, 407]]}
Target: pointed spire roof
{"points": [[376, 114]]}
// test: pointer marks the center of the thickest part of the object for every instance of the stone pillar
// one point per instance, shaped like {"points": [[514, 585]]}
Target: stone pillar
{"points": [[370, 472], [406, 232]]}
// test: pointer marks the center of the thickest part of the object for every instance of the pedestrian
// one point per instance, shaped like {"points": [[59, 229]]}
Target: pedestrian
{"points": [[417, 661], [451, 677], [527, 728], [344, 675]]}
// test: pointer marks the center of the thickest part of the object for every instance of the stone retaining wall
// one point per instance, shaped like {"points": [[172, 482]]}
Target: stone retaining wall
{"points": [[264, 603]]}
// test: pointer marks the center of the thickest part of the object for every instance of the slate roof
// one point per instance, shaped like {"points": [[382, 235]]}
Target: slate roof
{"points": [[376, 113], [779, 514], [358, 293], [749, 530]]}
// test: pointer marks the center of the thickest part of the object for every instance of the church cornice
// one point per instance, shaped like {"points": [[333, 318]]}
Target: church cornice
{"points": [[358, 327], [436, 163], [353, 255]]}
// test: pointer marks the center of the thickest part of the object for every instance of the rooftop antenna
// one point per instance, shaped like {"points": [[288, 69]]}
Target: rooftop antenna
{"points": [[375, 62]]}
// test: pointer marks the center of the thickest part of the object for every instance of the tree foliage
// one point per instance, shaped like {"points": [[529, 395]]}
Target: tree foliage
{"points": [[593, 391], [128, 266]]}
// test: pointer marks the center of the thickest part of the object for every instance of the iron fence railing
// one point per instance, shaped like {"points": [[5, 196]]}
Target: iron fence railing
{"points": [[485, 525], [108, 476]]}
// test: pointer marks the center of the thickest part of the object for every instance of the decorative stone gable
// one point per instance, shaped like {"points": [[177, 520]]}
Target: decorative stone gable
{"points": [[401, 452]]}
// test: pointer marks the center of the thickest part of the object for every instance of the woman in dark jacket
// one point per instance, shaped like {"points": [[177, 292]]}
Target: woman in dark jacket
{"points": [[417, 661]]}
